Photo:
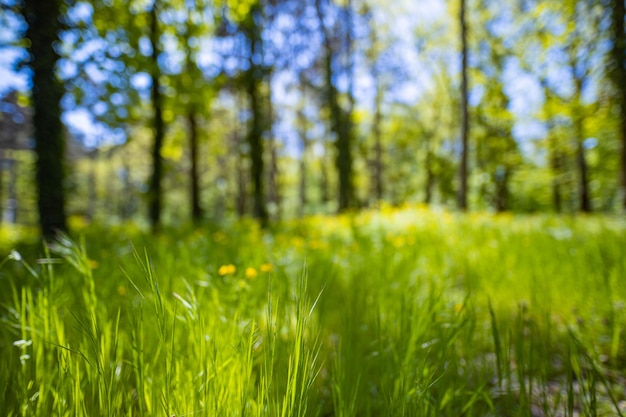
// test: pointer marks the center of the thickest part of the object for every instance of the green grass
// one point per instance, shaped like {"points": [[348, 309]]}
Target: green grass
{"points": [[400, 313]]}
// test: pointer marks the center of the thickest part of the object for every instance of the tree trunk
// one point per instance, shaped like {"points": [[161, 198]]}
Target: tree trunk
{"points": [[324, 180], [340, 121], [241, 198], [502, 178], [155, 193], [619, 77], [242, 187], [43, 18], [378, 146], [584, 197], [301, 120], [463, 174], [274, 196], [196, 210], [255, 140], [583, 169], [253, 80], [127, 200]]}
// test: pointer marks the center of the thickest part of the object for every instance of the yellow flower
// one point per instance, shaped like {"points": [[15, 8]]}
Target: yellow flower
{"points": [[227, 269], [267, 267], [251, 273]]}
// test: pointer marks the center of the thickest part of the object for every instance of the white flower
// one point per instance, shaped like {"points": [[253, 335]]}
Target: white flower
{"points": [[15, 255], [22, 344]]}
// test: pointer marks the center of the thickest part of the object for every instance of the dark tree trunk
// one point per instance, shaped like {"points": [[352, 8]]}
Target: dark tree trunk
{"points": [[192, 121], [255, 140], [241, 197], [242, 187], [155, 193], [253, 80], [619, 77], [341, 123], [42, 17], [196, 210], [463, 174], [502, 179], [301, 120]]}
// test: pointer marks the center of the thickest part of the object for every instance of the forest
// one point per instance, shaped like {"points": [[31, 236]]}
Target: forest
{"points": [[183, 111], [312, 208]]}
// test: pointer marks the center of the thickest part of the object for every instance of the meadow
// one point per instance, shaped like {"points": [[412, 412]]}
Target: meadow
{"points": [[398, 312]]}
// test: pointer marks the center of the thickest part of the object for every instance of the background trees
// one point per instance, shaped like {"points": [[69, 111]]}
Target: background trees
{"points": [[44, 25], [238, 102]]}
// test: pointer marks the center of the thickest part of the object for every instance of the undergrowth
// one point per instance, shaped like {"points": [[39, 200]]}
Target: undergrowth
{"points": [[397, 313]]}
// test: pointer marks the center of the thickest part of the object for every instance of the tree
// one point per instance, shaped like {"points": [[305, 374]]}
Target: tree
{"points": [[581, 51], [252, 80], [243, 25], [464, 171], [497, 153], [195, 94], [341, 116], [43, 18], [618, 57], [155, 193]]}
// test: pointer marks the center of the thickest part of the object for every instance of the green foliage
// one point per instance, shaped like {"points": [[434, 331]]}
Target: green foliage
{"points": [[400, 312]]}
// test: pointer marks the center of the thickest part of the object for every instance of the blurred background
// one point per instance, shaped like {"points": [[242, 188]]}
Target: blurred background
{"points": [[193, 110]]}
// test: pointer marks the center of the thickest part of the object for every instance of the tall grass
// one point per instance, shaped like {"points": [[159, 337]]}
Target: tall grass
{"points": [[399, 313]]}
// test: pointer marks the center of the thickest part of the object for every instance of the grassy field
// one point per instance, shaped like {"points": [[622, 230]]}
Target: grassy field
{"points": [[395, 313]]}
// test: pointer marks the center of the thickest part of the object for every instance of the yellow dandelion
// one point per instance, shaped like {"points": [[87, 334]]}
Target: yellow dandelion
{"points": [[121, 290], [267, 267], [227, 269], [251, 273], [93, 264]]}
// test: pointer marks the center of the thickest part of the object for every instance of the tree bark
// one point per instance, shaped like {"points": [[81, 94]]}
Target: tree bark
{"points": [[619, 78], [340, 121], [255, 140], [301, 120], [253, 80], [155, 193], [463, 172], [42, 17], [196, 210]]}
